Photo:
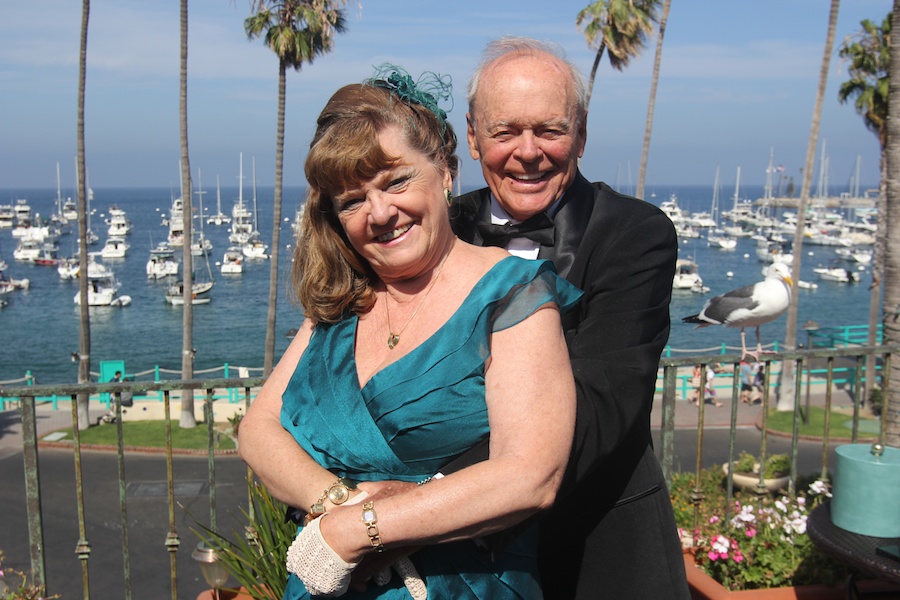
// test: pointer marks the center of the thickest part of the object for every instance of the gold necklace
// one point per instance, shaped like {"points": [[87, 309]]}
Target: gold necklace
{"points": [[394, 338]]}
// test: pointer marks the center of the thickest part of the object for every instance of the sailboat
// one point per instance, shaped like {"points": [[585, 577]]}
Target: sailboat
{"points": [[59, 217], [241, 218], [203, 245], [717, 236], [254, 246], [219, 218], [175, 293]]}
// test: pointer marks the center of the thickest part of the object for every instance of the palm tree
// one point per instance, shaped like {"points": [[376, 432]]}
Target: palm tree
{"points": [[297, 31], [788, 382], [892, 247], [645, 150], [186, 419], [620, 26], [84, 335], [869, 55]]}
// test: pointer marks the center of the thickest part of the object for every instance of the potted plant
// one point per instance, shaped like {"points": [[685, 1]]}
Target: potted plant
{"points": [[24, 588], [760, 545], [776, 472], [256, 553]]}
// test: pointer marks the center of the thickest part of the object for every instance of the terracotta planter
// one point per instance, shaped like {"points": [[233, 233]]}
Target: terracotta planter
{"points": [[240, 594], [704, 587]]}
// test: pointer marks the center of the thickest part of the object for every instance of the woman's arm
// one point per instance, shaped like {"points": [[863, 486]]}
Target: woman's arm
{"points": [[530, 396], [288, 472]]}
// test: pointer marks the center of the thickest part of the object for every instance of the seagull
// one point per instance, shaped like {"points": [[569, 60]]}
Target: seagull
{"points": [[749, 306]]}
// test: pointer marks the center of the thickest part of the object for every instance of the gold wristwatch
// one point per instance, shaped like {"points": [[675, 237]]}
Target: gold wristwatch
{"points": [[338, 493]]}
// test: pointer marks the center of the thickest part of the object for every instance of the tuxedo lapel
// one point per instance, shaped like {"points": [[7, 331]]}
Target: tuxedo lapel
{"points": [[467, 211], [570, 221]]}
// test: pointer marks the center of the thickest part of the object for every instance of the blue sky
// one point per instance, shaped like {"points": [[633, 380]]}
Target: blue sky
{"points": [[738, 80]]}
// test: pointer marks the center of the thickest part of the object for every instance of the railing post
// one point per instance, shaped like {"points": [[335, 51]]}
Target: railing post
{"points": [[33, 490]]}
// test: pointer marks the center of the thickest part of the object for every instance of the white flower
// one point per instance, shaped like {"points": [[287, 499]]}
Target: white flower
{"points": [[819, 487]]}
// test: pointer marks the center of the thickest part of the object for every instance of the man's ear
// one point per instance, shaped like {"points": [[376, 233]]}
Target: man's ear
{"points": [[582, 134], [470, 137]]}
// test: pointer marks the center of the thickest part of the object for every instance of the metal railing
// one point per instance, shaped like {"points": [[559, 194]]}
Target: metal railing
{"points": [[814, 371]]}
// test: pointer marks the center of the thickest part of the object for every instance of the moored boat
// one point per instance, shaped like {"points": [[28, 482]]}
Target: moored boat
{"points": [[233, 261], [103, 287]]}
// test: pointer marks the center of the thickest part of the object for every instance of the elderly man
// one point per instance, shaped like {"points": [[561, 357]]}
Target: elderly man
{"points": [[612, 532]]}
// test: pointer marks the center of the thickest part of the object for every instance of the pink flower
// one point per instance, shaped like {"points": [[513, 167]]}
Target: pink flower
{"points": [[750, 532]]}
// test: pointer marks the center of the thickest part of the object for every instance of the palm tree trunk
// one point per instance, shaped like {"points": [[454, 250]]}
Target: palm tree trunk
{"points": [[891, 221], [645, 151], [788, 380], [269, 357], [877, 278], [84, 335], [187, 419], [590, 87]]}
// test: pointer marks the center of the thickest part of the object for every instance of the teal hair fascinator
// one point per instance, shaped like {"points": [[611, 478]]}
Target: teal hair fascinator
{"points": [[427, 91]]}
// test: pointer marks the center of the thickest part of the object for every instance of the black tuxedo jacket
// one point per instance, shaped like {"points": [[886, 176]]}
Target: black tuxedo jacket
{"points": [[611, 533]]}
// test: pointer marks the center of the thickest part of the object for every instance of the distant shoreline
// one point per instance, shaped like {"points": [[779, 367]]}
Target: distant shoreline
{"points": [[832, 202]]}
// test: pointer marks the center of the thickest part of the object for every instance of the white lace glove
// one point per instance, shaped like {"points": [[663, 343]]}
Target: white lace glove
{"points": [[319, 567], [411, 579]]}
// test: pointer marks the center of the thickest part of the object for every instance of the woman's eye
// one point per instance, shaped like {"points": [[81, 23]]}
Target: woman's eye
{"points": [[350, 204], [398, 183]]}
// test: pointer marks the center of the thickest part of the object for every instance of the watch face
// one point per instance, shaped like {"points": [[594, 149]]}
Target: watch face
{"points": [[338, 494]]}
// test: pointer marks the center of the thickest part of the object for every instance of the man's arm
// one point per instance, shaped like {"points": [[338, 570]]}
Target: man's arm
{"points": [[615, 347]]}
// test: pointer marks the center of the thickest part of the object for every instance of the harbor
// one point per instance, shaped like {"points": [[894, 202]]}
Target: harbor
{"points": [[40, 323]]}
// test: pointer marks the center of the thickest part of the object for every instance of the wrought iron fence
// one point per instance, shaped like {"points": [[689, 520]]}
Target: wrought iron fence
{"points": [[819, 374]]}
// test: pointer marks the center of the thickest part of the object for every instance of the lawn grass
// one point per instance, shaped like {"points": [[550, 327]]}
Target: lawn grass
{"points": [[152, 434], [840, 426]]}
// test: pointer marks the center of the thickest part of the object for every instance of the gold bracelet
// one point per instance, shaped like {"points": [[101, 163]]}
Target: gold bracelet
{"points": [[338, 492], [370, 519]]}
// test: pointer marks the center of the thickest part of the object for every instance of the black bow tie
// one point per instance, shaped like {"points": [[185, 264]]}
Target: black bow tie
{"points": [[538, 228]]}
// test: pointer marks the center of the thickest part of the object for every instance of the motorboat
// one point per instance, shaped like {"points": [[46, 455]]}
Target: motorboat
{"points": [[233, 261], [837, 274], [103, 287], [7, 216], [720, 239], [255, 248], [686, 275], [70, 209], [68, 268], [115, 247], [49, 256], [176, 223], [119, 225], [162, 262], [28, 250]]}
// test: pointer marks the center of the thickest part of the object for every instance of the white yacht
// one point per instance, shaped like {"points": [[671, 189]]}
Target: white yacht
{"points": [[162, 262], [176, 223], [686, 275], [115, 247], [7, 216], [233, 261], [103, 287], [118, 222]]}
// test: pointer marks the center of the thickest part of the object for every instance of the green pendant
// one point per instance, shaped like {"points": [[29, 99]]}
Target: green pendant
{"points": [[393, 340]]}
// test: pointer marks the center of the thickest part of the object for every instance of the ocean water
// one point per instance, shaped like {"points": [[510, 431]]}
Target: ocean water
{"points": [[39, 327]]}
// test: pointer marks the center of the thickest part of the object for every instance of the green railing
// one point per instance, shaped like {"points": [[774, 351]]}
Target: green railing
{"points": [[817, 372]]}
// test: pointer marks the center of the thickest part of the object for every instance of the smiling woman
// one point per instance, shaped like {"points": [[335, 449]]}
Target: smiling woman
{"points": [[427, 343]]}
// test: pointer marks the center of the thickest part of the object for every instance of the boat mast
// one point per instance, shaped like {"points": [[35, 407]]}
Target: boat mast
{"points": [[255, 225], [737, 185], [715, 199]]}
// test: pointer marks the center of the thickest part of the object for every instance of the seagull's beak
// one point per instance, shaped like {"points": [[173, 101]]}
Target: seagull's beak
{"points": [[790, 281]]}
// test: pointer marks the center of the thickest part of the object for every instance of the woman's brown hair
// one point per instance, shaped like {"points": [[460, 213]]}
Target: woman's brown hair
{"points": [[331, 280]]}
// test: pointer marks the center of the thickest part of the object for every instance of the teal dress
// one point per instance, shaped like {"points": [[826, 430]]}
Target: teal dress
{"points": [[416, 415]]}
